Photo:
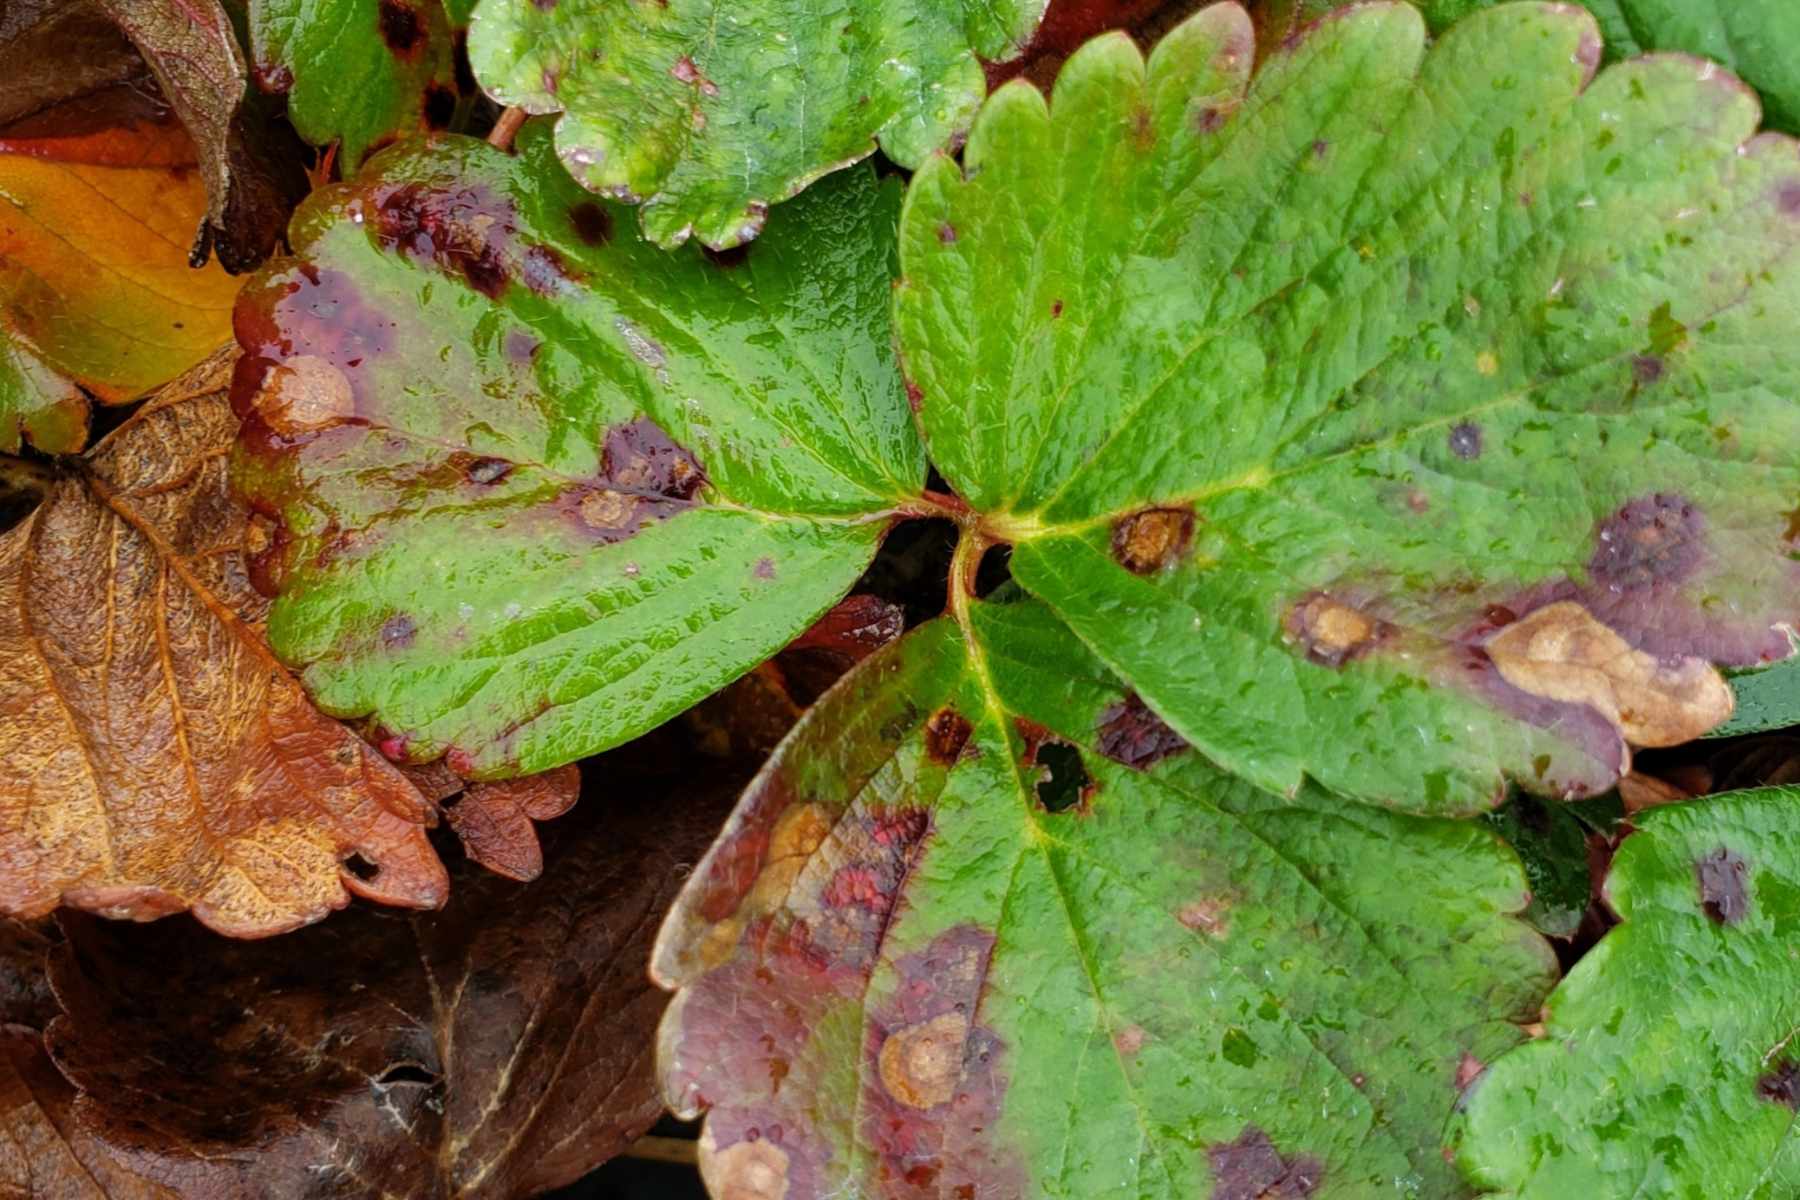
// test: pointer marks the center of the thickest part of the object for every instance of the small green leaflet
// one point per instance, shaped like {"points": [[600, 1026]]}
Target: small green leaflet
{"points": [[358, 72], [37, 403], [709, 113], [1755, 38], [1284, 418], [986, 925], [1668, 1065], [531, 485]]}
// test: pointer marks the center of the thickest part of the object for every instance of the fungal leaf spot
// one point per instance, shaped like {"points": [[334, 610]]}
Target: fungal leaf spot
{"points": [[1251, 1168], [1147, 541], [1723, 897], [1560, 652]]}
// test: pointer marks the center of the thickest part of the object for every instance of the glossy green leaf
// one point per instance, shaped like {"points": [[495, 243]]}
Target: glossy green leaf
{"points": [[1552, 844], [357, 72], [987, 926], [536, 485], [710, 113], [1351, 365], [1755, 38], [1668, 1065]]}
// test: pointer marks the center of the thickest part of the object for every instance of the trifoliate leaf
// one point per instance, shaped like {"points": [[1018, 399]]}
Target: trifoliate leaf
{"points": [[1755, 38], [1346, 368], [358, 72], [985, 926], [709, 113], [1668, 1065], [535, 484]]}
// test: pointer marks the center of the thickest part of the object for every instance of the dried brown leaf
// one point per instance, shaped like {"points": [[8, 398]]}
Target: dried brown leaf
{"points": [[1561, 652], [54, 50], [158, 757], [498, 1048]]}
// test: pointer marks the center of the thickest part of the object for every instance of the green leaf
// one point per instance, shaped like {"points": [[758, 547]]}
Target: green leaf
{"points": [[1360, 386], [538, 485], [1667, 1067], [1766, 699], [710, 113], [357, 72], [986, 925], [37, 404], [1755, 38], [1552, 844]]}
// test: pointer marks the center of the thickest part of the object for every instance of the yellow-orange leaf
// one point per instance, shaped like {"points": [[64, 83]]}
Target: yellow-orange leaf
{"points": [[94, 268], [158, 758]]}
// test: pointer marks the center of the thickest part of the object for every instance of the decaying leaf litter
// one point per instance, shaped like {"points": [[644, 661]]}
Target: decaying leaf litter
{"points": [[1416, 380]]}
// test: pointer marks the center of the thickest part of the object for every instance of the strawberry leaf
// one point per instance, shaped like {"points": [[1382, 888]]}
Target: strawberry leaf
{"points": [[709, 115], [987, 926], [1279, 419], [357, 73], [1667, 1065], [1755, 38], [538, 485]]}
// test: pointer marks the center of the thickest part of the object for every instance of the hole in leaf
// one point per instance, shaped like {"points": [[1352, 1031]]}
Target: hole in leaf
{"points": [[995, 570], [1065, 779], [408, 1072], [361, 867]]}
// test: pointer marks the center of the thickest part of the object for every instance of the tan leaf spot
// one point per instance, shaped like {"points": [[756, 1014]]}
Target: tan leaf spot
{"points": [[304, 393], [744, 1170], [1561, 652], [921, 1064]]}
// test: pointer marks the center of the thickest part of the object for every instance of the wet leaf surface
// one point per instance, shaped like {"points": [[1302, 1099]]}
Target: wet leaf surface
{"points": [[1667, 1066], [98, 205], [906, 971], [158, 757], [499, 1048], [251, 181], [711, 115], [359, 73], [1754, 38], [1285, 420], [535, 485]]}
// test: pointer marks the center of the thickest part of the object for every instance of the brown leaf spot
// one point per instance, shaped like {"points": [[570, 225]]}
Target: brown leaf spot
{"points": [[1333, 633], [592, 223], [1129, 1040], [914, 397], [1465, 440], [748, 1170], [462, 230], [764, 568], [1468, 1070], [304, 394], [438, 106], [1210, 915], [1056, 308], [1561, 652], [1250, 1168], [640, 456], [400, 27], [1131, 734], [921, 1064], [946, 234], [1722, 895], [947, 736], [1646, 369], [1787, 197], [685, 70], [1782, 1085], [1653, 540], [1143, 131], [1146, 541]]}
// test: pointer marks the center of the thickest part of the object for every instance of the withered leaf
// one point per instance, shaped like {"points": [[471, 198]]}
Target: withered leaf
{"points": [[494, 820], [158, 758], [55, 50], [250, 184], [1561, 652], [498, 1048]]}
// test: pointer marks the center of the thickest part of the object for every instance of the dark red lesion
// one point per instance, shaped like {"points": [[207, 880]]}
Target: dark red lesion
{"points": [[1251, 1168], [466, 229], [644, 477], [1131, 734], [947, 736], [401, 28]]}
